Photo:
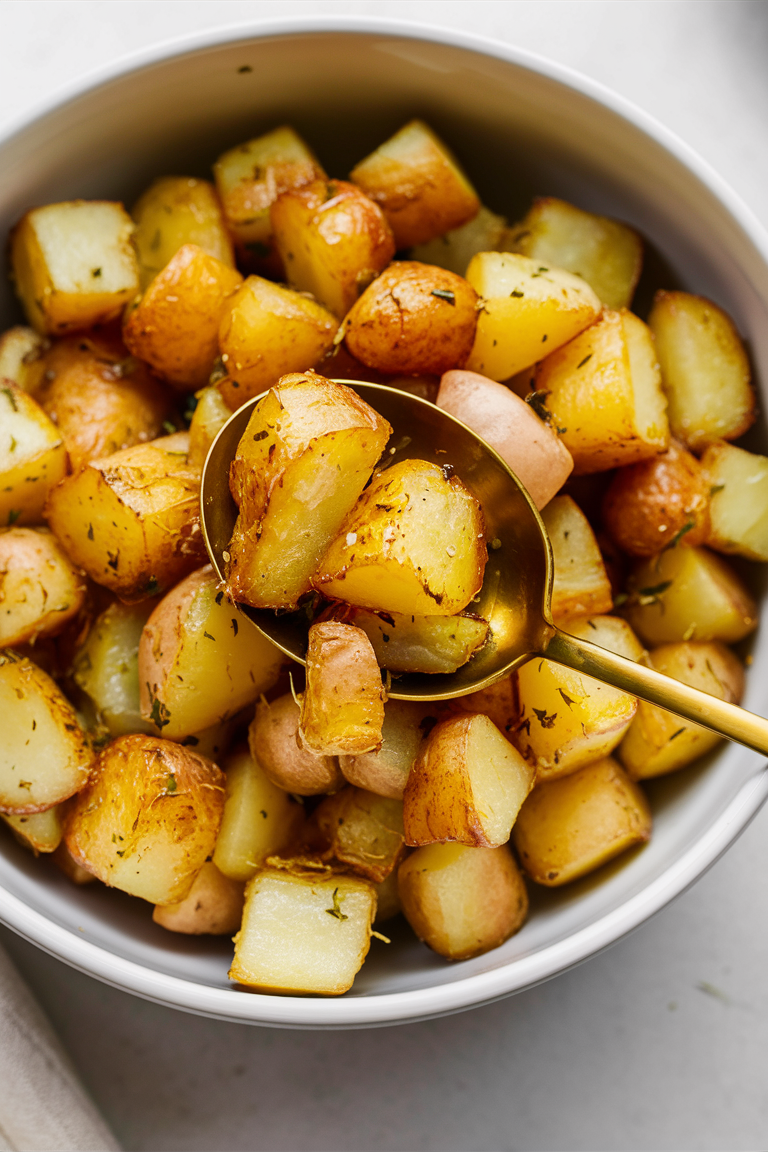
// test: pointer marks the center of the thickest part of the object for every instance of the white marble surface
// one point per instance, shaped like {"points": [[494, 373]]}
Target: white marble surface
{"points": [[657, 1044]]}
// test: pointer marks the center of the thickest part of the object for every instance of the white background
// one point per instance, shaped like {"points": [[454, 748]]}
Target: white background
{"points": [[660, 1043]]}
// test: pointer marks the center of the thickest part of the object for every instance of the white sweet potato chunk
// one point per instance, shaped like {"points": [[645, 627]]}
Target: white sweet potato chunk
{"points": [[359, 830], [33, 457], [342, 709], [40, 589], [20, 347], [174, 211], [274, 742], [421, 643], [210, 415], [38, 831], [581, 583], [386, 770], [212, 907], [455, 249], [462, 901], [106, 667], [738, 506]]}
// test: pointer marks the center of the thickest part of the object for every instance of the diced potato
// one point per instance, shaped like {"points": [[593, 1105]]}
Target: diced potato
{"points": [[604, 392], [40, 590], [499, 703], [174, 211], [148, 820], [303, 933], [44, 755], [106, 667], [209, 417], [274, 741], [569, 827], [39, 831], [386, 770], [568, 719], [32, 457], [65, 862], [20, 347], [581, 583], [414, 543], [467, 784], [659, 742], [462, 901], [387, 899], [361, 831], [308, 451], [528, 310], [421, 643], [704, 367], [214, 741], [212, 907], [738, 510], [74, 265], [175, 325], [455, 249], [132, 519], [419, 184], [200, 661], [605, 253], [342, 709], [333, 241], [689, 594]]}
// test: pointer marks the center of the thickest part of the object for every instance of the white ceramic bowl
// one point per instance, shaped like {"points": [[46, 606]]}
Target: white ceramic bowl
{"points": [[521, 126]]}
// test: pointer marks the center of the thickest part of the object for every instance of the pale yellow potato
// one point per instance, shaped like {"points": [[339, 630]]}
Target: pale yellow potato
{"points": [[65, 862], [421, 643], [209, 417], [531, 448], [419, 185], [33, 457], [705, 369], [659, 742], [274, 742], [689, 594], [454, 250], [303, 933], [74, 265], [581, 584], [200, 661], [387, 899], [342, 709], [499, 703], [307, 453], [106, 667], [20, 347], [467, 784], [44, 754], [414, 543], [148, 819], [386, 770], [40, 589], [568, 719], [462, 901], [604, 392], [38, 831], [528, 310], [174, 211], [571, 826], [333, 241], [212, 907], [360, 830], [738, 508]]}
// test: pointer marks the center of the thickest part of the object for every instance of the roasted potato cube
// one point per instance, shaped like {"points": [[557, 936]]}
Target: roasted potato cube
{"points": [[421, 643], [454, 250], [342, 710], [40, 590], [38, 831], [361, 830], [64, 861], [462, 901], [738, 512], [132, 519], [74, 265], [704, 367], [467, 784], [605, 253], [208, 419], [659, 742], [333, 241], [419, 185], [581, 583], [44, 755], [175, 326], [306, 455], [174, 211], [499, 703], [387, 899], [106, 667], [414, 543], [274, 741], [212, 907], [604, 392], [569, 827], [148, 820], [414, 319], [386, 770], [20, 347], [528, 310], [303, 933], [32, 457]]}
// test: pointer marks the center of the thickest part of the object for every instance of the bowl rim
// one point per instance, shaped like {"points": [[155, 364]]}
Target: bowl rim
{"points": [[526, 971]]}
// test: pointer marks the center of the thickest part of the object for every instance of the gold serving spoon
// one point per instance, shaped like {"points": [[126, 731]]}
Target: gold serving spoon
{"points": [[516, 595]]}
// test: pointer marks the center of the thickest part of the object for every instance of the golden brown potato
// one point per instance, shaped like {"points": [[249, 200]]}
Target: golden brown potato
{"points": [[212, 907], [415, 319], [738, 488], [420, 643], [581, 584], [20, 347], [386, 770], [361, 831], [148, 820], [32, 457], [38, 831], [273, 739], [174, 211], [462, 901], [342, 709], [106, 667], [455, 249], [499, 703], [64, 861], [40, 590], [209, 417]]}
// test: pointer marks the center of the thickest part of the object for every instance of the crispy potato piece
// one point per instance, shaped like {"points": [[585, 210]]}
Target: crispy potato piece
{"points": [[209, 417], [467, 784], [419, 185], [174, 327], [74, 265], [659, 742], [106, 667], [200, 662], [414, 543], [342, 709], [581, 582], [415, 319], [704, 367], [32, 456], [361, 830], [650, 505], [386, 770], [528, 310], [132, 519], [306, 455], [333, 241], [40, 590], [605, 253], [455, 249], [174, 211], [531, 448], [148, 820], [499, 703], [462, 901], [20, 347], [689, 594], [604, 392], [38, 831], [44, 754], [567, 719], [274, 742], [738, 512], [421, 643], [266, 331], [303, 932], [387, 899], [212, 907]]}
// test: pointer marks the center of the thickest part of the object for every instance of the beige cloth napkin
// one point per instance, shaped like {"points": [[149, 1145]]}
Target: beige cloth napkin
{"points": [[43, 1107]]}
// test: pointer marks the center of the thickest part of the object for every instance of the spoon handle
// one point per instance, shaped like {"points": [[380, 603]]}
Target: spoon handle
{"points": [[726, 719]]}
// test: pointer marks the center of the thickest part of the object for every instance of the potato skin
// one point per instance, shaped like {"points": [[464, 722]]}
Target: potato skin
{"points": [[178, 210], [40, 589], [273, 740], [360, 830], [212, 907], [342, 710]]}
